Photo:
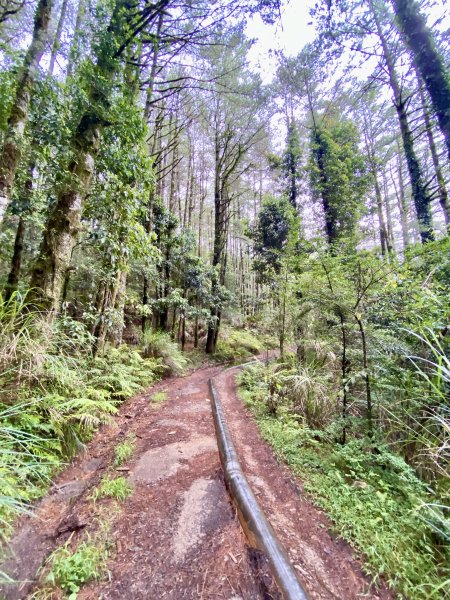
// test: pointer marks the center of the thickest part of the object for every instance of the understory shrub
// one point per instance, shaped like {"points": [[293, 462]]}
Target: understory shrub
{"points": [[376, 501]]}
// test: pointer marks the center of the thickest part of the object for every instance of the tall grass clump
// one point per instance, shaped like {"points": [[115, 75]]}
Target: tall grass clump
{"points": [[158, 345]]}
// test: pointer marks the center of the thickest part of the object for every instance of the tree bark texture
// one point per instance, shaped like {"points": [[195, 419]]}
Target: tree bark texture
{"points": [[58, 33], [428, 60], [16, 261], [442, 190], [420, 193], [12, 146]]}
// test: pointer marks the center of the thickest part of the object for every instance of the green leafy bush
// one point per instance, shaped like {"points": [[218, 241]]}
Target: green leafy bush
{"points": [[70, 570], [251, 376]]}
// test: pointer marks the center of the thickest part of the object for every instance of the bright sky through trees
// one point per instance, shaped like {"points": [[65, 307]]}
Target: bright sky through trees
{"points": [[289, 34]]}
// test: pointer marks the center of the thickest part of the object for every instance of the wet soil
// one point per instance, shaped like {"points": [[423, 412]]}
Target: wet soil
{"points": [[177, 536]]}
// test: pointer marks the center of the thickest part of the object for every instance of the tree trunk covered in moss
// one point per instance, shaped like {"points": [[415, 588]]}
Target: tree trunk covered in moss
{"points": [[428, 59], [442, 190], [18, 117], [421, 196], [16, 261], [57, 41], [330, 221], [64, 221]]}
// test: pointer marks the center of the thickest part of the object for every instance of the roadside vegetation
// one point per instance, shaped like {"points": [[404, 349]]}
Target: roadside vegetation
{"points": [[69, 570], [55, 395], [388, 501], [124, 450], [112, 487]]}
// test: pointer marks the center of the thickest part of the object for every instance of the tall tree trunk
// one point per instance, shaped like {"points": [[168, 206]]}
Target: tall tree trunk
{"points": [[58, 34], [420, 193], [330, 221], [75, 45], [442, 190], [12, 146], [389, 222], [401, 201], [16, 261], [428, 59], [119, 307], [196, 331], [386, 246], [219, 245]]}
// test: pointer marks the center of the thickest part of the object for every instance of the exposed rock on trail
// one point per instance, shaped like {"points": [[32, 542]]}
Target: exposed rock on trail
{"points": [[178, 535]]}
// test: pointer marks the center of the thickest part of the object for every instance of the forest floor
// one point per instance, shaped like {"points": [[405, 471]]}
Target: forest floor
{"points": [[177, 536]]}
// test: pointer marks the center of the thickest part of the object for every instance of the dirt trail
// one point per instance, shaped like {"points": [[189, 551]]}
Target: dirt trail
{"points": [[178, 536]]}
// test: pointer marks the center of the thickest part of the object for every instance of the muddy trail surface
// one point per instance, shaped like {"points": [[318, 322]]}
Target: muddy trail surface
{"points": [[177, 535]]}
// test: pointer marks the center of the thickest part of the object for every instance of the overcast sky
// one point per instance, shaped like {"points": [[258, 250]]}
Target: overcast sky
{"points": [[295, 30], [290, 35]]}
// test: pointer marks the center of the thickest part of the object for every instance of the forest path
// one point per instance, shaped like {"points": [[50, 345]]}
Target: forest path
{"points": [[177, 536]]}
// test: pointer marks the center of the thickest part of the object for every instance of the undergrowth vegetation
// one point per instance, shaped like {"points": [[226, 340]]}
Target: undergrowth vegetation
{"points": [[71, 569], [235, 345], [159, 345], [124, 450], [112, 487], [54, 395], [375, 499]]}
